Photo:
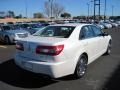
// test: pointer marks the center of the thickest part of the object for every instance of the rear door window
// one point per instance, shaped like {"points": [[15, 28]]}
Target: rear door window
{"points": [[96, 30], [86, 32]]}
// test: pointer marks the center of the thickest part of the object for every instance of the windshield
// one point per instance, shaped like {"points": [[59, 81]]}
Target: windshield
{"points": [[24, 25], [6, 28], [16, 27], [35, 26], [55, 31]]}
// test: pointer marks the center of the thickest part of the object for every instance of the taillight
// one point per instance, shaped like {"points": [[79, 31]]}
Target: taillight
{"points": [[19, 46], [49, 50]]}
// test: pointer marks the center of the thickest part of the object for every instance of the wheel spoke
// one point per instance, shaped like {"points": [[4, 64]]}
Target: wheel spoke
{"points": [[82, 66]]}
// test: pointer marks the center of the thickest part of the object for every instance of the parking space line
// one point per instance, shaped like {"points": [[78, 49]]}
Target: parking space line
{"points": [[2, 46]]}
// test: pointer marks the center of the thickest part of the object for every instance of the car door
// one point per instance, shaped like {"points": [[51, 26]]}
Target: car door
{"points": [[101, 40], [88, 42]]}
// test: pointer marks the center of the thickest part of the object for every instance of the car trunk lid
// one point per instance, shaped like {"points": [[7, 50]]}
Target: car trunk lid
{"points": [[31, 43]]}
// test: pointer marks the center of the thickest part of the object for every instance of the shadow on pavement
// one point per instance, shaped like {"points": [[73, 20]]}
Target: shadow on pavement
{"points": [[2, 43], [113, 82], [13, 75]]}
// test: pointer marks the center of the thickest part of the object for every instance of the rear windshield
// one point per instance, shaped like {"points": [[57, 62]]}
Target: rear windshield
{"points": [[55, 31]]}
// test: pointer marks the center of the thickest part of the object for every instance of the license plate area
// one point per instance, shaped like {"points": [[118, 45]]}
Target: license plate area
{"points": [[33, 57]]}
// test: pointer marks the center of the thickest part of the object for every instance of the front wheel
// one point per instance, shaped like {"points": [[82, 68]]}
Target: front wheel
{"points": [[108, 48], [81, 67], [7, 40]]}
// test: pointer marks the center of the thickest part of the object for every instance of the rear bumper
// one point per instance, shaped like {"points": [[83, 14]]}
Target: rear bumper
{"points": [[54, 70]]}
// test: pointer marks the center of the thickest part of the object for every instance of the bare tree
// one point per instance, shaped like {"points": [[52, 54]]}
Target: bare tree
{"points": [[57, 10], [47, 8], [65, 15]]}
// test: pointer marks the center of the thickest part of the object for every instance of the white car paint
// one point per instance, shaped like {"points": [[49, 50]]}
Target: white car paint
{"points": [[64, 63]]}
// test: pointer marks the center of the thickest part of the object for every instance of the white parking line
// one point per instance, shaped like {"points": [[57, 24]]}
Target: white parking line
{"points": [[2, 46]]}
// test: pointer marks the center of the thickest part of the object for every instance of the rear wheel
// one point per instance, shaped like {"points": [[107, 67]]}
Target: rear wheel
{"points": [[81, 67], [108, 48]]}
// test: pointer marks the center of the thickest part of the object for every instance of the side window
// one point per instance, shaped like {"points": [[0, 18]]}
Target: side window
{"points": [[86, 32], [96, 30]]}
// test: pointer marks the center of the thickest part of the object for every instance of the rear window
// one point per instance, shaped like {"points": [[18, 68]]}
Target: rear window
{"points": [[55, 31]]}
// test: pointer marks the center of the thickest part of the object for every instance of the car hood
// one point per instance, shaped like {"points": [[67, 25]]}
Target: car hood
{"points": [[16, 31]]}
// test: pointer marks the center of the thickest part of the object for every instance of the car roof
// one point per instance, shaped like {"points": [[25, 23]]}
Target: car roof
{"points": [[71, 24]]}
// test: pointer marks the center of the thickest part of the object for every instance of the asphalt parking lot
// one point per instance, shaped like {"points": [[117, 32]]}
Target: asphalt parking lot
{"points": [[102, 74]]}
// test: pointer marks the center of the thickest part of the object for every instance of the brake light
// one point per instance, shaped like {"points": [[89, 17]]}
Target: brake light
{"points": [[49, 50], [20, 46]]}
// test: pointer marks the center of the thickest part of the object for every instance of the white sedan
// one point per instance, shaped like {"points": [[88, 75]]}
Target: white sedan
{"points": [[62, 49]]}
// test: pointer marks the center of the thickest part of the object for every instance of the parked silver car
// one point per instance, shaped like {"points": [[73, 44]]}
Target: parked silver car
{"points": [[31, 27], [106, 25], [10, 35], [118, 22]]}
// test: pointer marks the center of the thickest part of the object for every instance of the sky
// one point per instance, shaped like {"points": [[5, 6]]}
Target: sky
{"points": [[74, 7]]}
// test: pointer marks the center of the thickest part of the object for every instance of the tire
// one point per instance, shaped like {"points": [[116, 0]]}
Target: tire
{"points": [[108, 48], [81, 67], [7, 40]]}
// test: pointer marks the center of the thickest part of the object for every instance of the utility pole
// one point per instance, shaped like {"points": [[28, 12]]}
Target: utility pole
{"points": [[26, 8], [94, 11], [96, 3], [99, 9], [88, 11], [91, 7], [112, 10], [105, 11], [51, 6]]}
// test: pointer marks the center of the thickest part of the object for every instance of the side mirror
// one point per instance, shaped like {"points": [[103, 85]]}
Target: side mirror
{"points": [[81, 37], [105, 34]]}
